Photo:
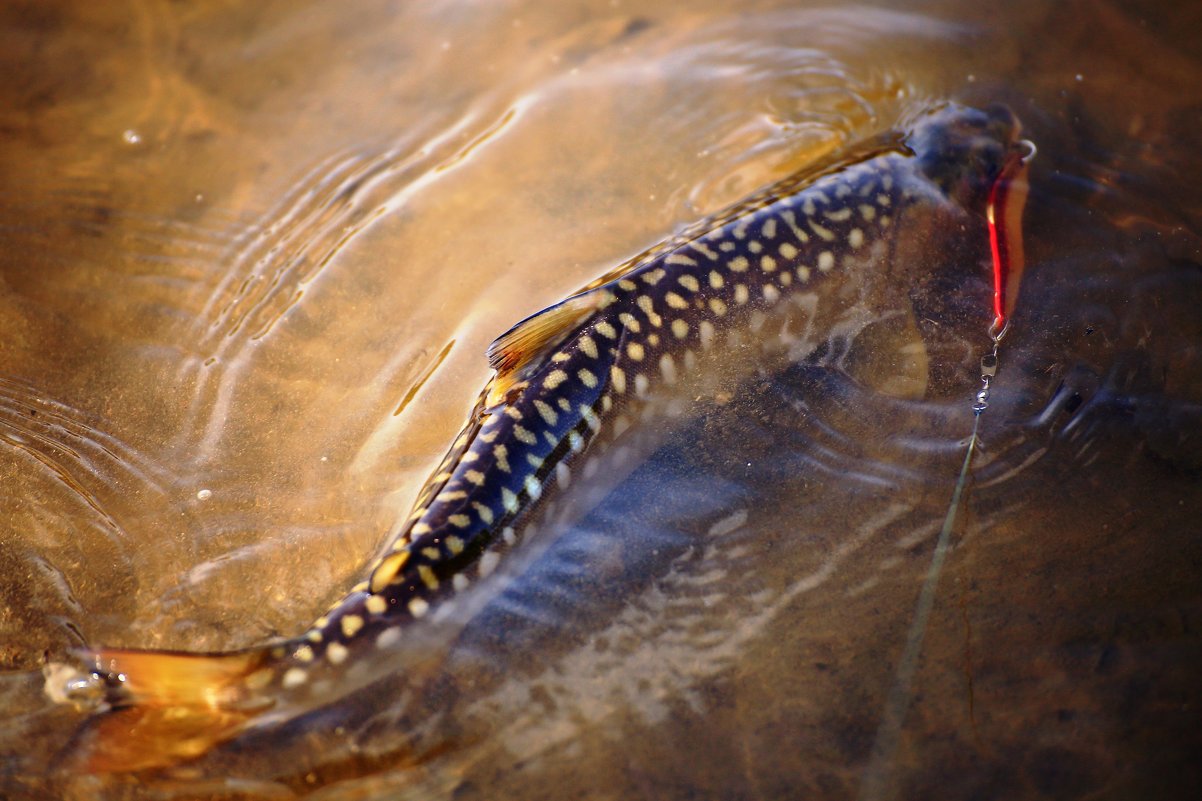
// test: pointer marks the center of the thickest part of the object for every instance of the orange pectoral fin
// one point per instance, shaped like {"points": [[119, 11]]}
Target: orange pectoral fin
{"points": [[144, 737]]}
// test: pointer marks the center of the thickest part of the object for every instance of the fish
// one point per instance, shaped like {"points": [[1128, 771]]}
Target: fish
{"points": [[819, 254]]}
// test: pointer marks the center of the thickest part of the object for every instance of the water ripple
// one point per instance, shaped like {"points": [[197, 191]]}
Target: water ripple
{"points": [[88, 461], [279, 255], [76, 492]]}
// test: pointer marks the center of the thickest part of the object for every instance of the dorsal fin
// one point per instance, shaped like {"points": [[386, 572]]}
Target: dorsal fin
{"points": [[532, 339]]}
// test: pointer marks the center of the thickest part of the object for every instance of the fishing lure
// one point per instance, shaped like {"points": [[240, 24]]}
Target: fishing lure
{"points": [[1003, 211], [817, 255]]}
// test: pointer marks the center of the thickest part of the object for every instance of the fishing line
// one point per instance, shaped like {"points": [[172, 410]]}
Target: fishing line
{"points": [[1004, 209], [874, 785]]}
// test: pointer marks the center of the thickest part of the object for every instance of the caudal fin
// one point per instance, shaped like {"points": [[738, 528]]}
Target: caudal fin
{"points": [[167, 707]]}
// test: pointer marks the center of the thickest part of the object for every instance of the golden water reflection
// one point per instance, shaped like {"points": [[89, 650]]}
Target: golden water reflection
{"points": [[252, 255]]}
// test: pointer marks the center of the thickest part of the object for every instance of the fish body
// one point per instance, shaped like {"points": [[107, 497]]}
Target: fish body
{"points": [[820, 252]]}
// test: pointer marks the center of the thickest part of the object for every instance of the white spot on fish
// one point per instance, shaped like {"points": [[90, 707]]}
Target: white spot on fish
{"points": [[336, 653], [647, 305], [617, 379], [293, 677], [351, 625], [653, 277], [590, 417], [388, 637], [667, 368], [824, 233], [488, 563], [509, 500], [533, 488]]}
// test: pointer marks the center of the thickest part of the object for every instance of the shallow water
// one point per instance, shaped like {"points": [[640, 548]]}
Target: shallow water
{"points": [[252, 258]]}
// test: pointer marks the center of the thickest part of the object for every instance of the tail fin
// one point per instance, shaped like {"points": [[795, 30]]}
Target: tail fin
{"points": [[168, 707], [168, 678]]}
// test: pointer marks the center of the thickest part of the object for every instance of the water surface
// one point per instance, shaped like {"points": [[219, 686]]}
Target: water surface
{"points": [[252, 257]]}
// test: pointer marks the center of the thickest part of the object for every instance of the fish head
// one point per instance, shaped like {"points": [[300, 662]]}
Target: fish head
{"points": [[965, 151], [969, 171]]}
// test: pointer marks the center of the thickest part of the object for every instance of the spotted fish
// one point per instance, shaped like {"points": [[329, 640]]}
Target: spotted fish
{"points": [[819, 252]]}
